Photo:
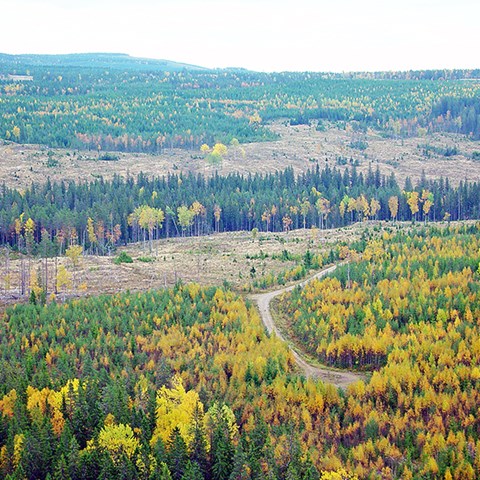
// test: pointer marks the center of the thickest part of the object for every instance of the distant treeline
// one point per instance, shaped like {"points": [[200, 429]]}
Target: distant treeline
{"points": [[460, 115], [125, 210], [456, 74], [142, 111]]}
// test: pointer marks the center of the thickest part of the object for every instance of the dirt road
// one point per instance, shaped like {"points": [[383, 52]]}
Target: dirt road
{"points": [[339, 378]]}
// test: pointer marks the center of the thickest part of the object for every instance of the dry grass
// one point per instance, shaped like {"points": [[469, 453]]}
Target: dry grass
{"points": [[209, 260], [300, 147]]}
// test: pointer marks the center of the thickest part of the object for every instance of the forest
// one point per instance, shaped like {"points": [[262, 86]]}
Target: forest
{"points": [[406, 309], [45, 219], [185, 383], [119, 105]]}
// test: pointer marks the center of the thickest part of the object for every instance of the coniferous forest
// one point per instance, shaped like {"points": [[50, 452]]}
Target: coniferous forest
{"points": [[105, 213], [111, 106]]}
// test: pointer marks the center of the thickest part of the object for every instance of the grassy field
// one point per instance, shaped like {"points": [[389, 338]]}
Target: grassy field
{"points": [[208, 260], [299, 146]]}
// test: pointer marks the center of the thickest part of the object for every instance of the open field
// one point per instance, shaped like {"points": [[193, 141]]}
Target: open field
{"points": [[209, 260], [300, 147]]}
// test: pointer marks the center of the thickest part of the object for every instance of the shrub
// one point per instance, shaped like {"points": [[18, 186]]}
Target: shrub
{"points": [[123, 257]]}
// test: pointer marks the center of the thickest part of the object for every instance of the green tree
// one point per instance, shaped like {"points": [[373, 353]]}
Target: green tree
{"points": [[177, 455], [192, 472], [240, 468], [198, 446]]}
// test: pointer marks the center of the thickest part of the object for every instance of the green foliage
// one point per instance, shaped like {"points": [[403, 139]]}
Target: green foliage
{"points": [[149, 106], [79, 382], [146, 259], [446, 151], [151, 208], [109, 157], [359, 145], [52, 162], [122, 257], [457, 114]]}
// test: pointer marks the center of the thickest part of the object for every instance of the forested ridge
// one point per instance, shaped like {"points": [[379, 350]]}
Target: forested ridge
{"points": [[102, 213], [148, 111]]}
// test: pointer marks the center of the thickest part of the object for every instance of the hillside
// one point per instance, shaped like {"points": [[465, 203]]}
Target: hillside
{"points": [[154, 214], [120, 103], [117, 61], [186, 380]]}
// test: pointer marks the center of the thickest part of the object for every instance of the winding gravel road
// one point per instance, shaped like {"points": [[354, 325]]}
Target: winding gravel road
{"points": [[339, 378]]}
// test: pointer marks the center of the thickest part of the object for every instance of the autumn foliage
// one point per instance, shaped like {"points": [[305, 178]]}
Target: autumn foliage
{"points": [[186, 382], [412, 316]]}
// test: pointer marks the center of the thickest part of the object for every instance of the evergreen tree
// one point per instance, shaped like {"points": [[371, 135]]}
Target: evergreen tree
{"points": [[162, 472], [37, 456], [192, 472], [198, 447], [177, 456], [73, 458], [61, 471], [240, 469], [222, 451], [309, 472]]}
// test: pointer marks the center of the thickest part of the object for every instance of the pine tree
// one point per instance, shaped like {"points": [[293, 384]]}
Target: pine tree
{"points": [[162, 472], [222, 454], [73, 458], [192, 472], [38, 452], [61, 471], [257, 445]]}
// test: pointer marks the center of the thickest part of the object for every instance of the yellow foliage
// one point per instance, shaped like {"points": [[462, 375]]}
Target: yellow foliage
{"points": [[7, 403], [117, 440], [73, 253], [18, 448], [64, 278], [340, 474], [220, 149], [175, 409]]}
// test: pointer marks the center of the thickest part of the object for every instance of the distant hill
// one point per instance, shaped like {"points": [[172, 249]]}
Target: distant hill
{"points": [[119, 61]]}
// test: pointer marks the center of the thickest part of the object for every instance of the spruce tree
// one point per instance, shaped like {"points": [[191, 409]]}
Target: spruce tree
{"points": [[177, 456], [198, 448], [240, 469], [222, 452], [192, 472], [162, 472], [61, 472]]}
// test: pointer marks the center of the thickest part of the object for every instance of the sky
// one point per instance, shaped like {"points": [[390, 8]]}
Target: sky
{"points": [[262, 35]]}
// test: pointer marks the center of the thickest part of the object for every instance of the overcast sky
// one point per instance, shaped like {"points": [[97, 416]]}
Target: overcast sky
{"points": [[264, 35]]}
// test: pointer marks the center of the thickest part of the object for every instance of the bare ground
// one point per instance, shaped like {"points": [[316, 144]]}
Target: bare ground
{"points": [[209, 260], [300, 147]]}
